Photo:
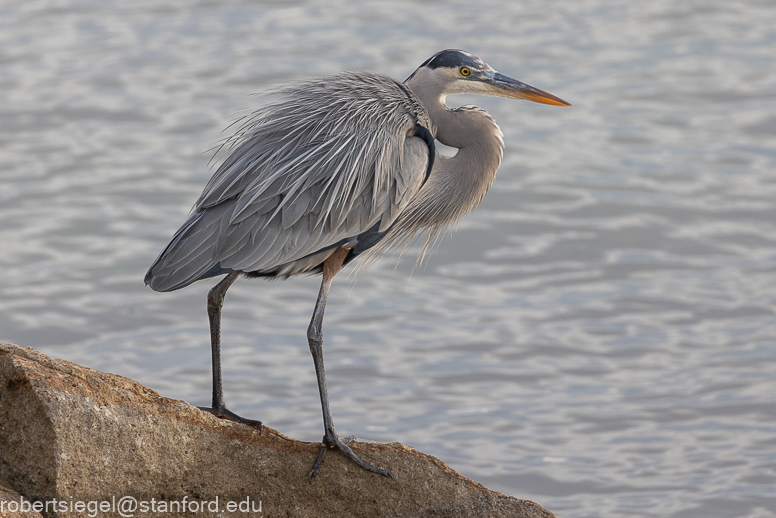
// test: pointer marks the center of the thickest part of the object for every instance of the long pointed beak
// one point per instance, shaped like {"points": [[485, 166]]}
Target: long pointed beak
{"points": [[504, 86]]}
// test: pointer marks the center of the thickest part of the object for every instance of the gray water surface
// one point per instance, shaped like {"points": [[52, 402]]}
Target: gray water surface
{"points": [[599, 336]]}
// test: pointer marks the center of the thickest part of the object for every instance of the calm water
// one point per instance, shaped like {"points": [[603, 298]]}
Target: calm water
{"points": [[599, 336]]}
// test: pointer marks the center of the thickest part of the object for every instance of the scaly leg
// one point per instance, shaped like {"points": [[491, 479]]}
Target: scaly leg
{"points": [[215, 301], [315, 338]]}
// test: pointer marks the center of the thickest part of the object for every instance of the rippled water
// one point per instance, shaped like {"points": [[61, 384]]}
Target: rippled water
{"points": [[599, 336]]}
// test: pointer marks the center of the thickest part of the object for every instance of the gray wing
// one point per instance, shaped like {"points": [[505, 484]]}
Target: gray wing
{"points": [[325, 164]]}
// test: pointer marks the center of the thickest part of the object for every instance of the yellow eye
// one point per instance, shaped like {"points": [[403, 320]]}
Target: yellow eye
{"points": [[465, 71]]}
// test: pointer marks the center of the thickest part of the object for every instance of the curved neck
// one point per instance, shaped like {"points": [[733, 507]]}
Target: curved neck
{"points": [[467, 128], [456, 185]]}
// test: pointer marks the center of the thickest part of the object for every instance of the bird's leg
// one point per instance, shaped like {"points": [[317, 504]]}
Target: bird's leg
{"points": [[215, 301], [315, 338]]}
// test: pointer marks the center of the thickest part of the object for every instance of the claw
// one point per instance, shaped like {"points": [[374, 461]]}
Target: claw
{"points": [[328, 443], [225, 413]]}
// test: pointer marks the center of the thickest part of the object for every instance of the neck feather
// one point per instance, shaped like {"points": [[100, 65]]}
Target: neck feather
{"points": [[456, 185]]}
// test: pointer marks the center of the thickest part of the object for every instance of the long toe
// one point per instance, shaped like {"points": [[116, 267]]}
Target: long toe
{"points": [[225, 413], [336, 442]]}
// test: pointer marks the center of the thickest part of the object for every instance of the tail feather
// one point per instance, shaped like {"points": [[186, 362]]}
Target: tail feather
{"points": [[189, 257]]}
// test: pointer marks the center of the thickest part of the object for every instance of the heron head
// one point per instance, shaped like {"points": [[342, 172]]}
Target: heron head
{"points": [[458, 72]]}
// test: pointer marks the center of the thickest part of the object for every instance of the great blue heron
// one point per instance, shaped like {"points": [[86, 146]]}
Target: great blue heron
{"points": [[333, 168]]}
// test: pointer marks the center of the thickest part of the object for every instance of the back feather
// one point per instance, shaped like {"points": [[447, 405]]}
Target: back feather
{"points": [[326, 161]]}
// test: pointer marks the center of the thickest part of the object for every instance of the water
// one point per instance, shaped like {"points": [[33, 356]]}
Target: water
{"points": [[599, 336]]}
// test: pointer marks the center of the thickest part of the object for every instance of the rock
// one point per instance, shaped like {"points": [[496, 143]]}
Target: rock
{"points": [[88, 438], [14, 505]]}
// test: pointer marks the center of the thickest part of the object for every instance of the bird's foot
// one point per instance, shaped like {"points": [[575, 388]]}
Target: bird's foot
{"points": [[332, 440], [225, 413]]}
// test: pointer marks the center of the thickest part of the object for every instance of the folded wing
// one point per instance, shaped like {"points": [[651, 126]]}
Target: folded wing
{"points": [[328, 163]]}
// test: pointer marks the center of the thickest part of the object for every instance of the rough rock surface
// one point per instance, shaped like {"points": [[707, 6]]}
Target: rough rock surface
{"points": [[14, 505], [85, 437]]}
